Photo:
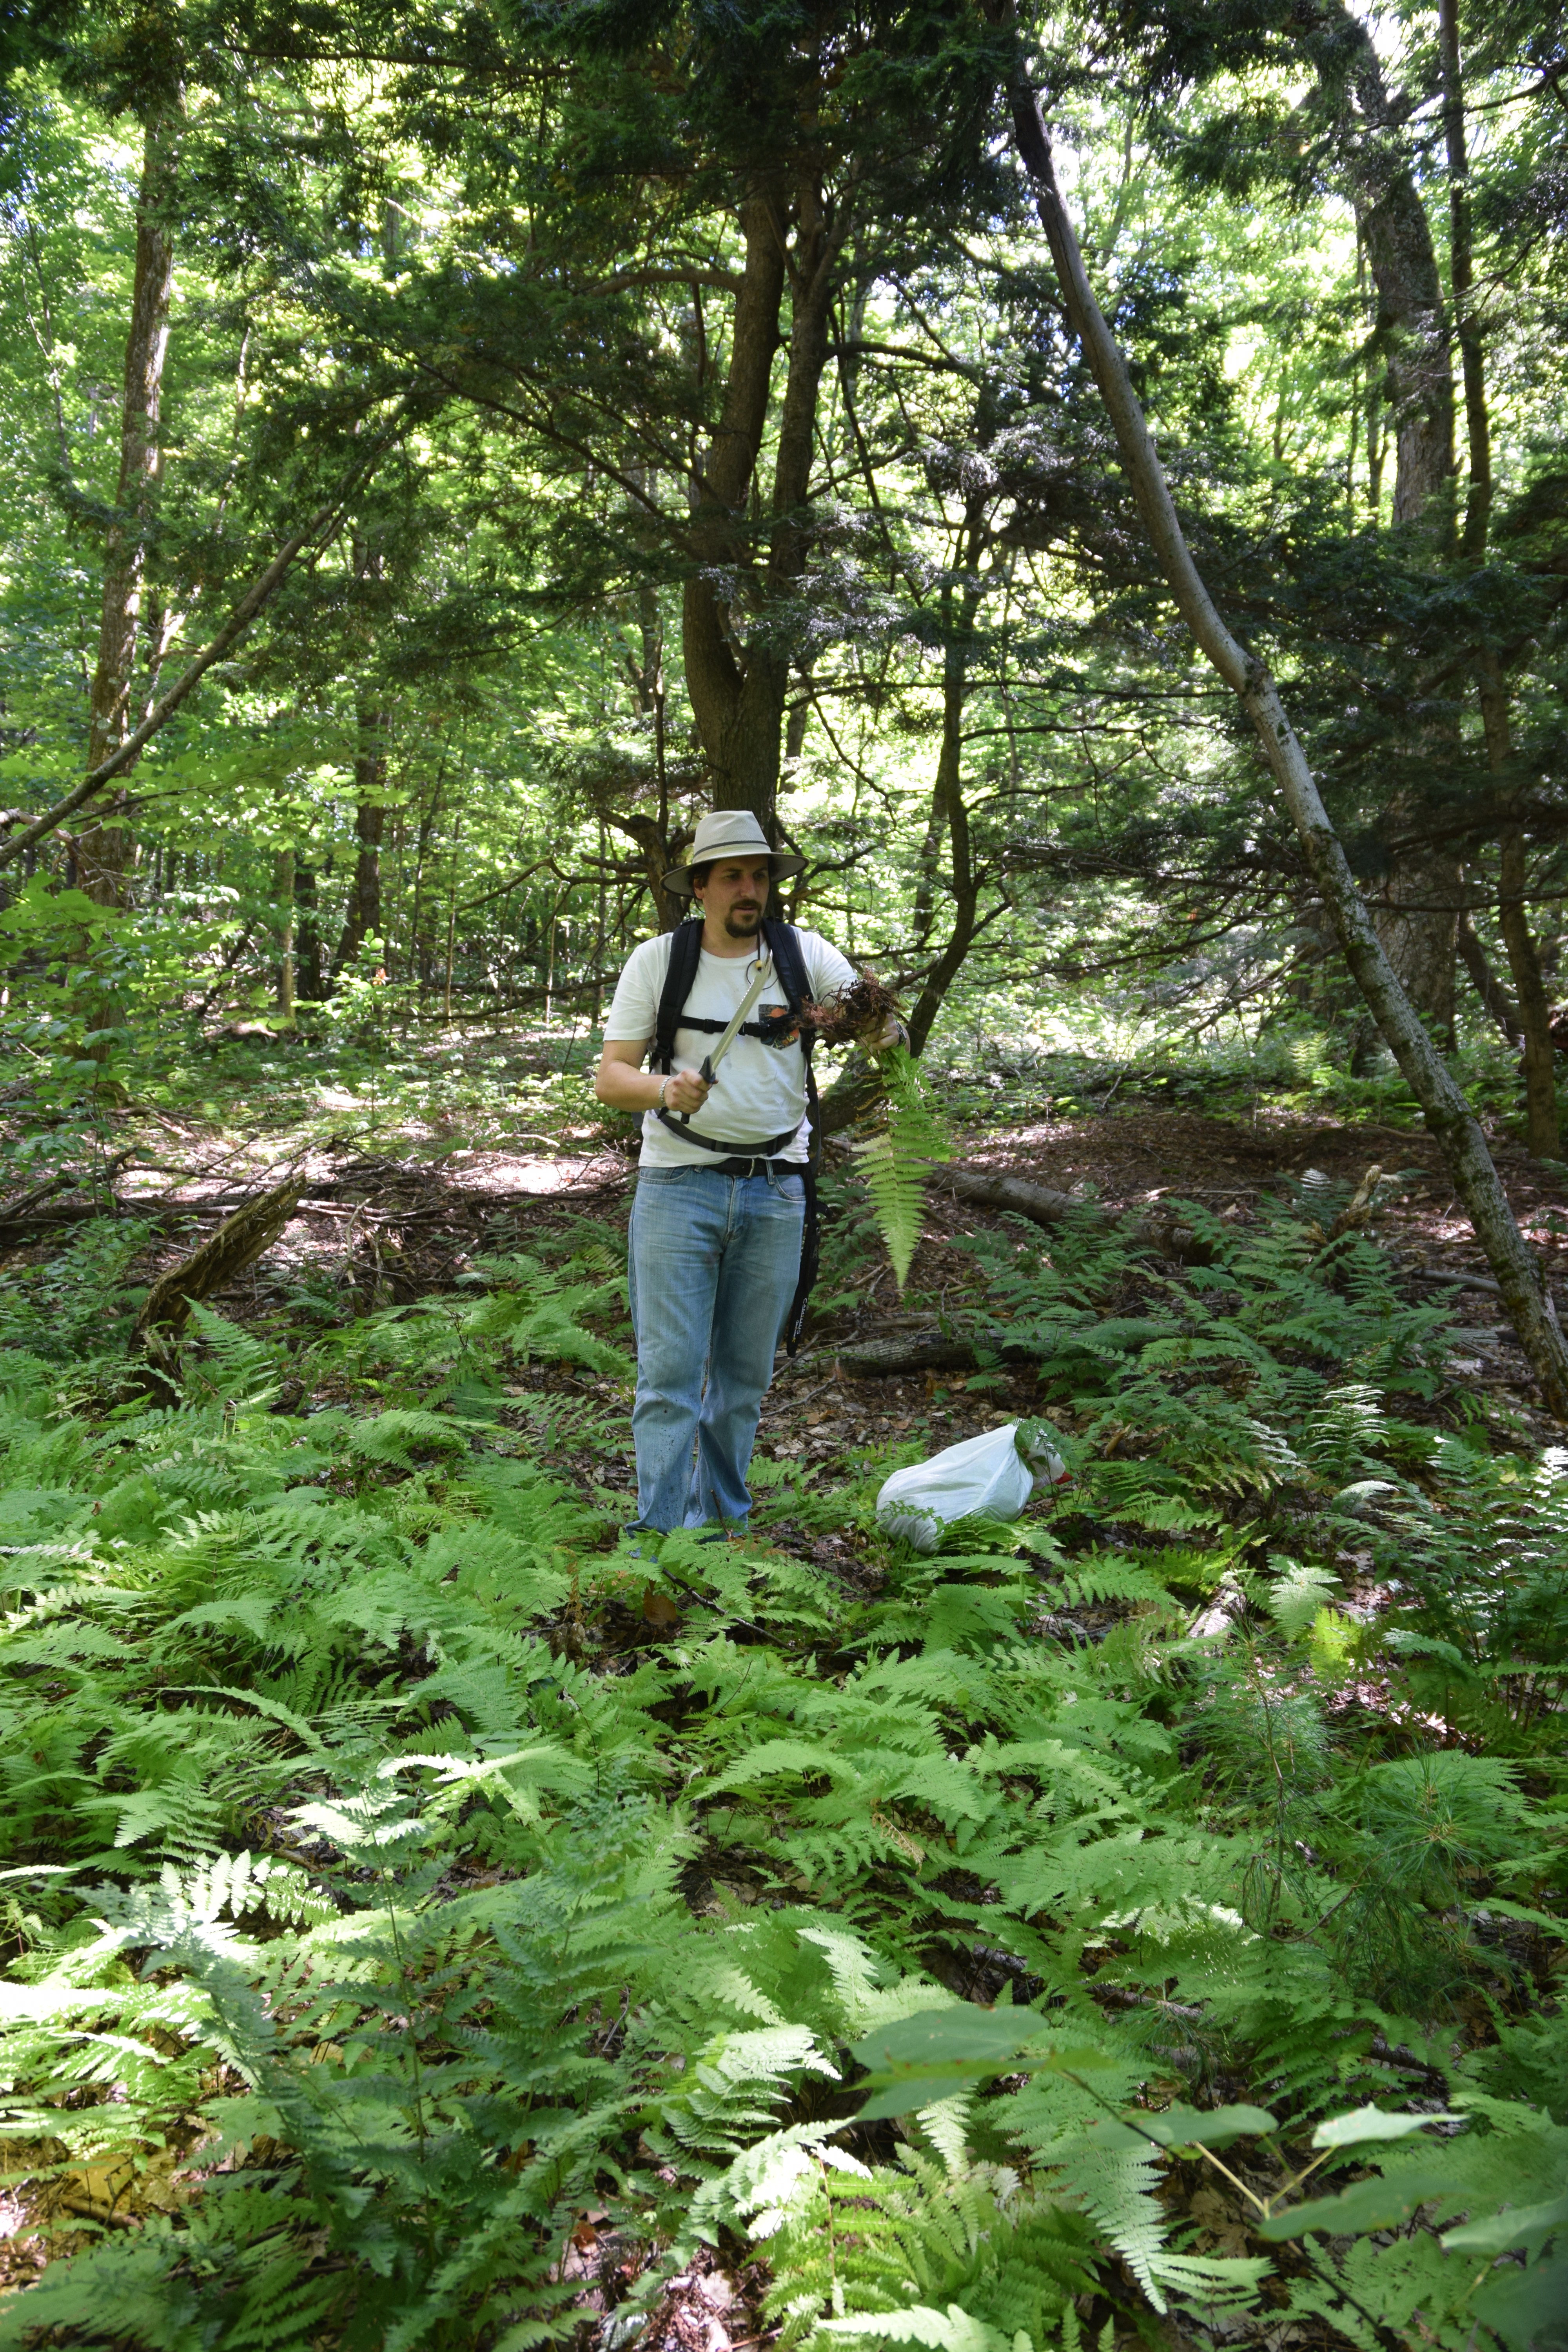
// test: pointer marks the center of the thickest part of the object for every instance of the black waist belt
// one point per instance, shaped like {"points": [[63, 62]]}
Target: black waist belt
{"points": [[760, 1166]]}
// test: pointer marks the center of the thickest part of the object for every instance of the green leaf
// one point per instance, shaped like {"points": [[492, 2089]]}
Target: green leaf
{"points": [[1529, 2309], [921, 2058], [1181, 2127], [1501, 2232], [1371, 2123], [1369, 2205]]}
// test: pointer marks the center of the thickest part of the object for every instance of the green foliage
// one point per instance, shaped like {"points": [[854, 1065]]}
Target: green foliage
{"points": [[385, 1894], [1499, 2190], [890, 2250], [896, 1161], [69, 1307]]}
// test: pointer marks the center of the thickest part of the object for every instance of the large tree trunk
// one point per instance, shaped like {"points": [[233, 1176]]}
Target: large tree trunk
{"points": [[1541, 1131], [1413, 327], [1416, 913], [1447, 1114], [103, 848], [721, 535], [739, 686]]}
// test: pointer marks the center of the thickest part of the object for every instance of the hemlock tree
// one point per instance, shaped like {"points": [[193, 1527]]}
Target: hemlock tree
{"points": [[1448, 1115]]}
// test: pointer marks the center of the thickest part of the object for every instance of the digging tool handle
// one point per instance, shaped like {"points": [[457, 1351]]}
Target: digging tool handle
{"points": [[721, 1044]]}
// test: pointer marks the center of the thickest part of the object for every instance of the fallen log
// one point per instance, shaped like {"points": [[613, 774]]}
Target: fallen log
{"points": [[910, 1351], [1043, 1205], [238, 1243]]}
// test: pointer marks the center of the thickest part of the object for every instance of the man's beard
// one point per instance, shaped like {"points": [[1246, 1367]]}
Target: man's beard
{"points": [[742, 922]]}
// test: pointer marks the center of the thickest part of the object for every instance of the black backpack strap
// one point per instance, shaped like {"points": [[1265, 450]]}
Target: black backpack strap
{"points": [[685, 949], [775, 1143], [789, 963], [783, 945]]}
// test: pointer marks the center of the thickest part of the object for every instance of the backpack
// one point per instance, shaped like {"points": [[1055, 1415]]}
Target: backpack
{"points": [[783, 942]]}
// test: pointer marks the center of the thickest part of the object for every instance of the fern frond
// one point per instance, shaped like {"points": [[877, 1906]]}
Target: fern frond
{"points": [[895, 1163]]}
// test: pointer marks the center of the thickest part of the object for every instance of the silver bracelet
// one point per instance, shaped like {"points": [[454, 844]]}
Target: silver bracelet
{"points": [[661, 1104]]}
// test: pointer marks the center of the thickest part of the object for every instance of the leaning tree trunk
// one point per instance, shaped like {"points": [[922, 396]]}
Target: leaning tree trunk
{"points": [[1447, 1114], [103, 847]]}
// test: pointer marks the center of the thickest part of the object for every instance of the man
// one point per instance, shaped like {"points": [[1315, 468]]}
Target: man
{"points": [[717, 1222]]}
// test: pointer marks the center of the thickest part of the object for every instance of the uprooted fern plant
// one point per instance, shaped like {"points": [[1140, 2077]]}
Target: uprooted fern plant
{"points": [[414, 1944], [896, 1161]]}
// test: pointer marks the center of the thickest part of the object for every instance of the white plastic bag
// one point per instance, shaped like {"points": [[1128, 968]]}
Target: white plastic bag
{"points": [[991, 1476]]}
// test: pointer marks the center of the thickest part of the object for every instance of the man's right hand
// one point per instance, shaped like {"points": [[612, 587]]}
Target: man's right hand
{"points": [[687, 1091]]}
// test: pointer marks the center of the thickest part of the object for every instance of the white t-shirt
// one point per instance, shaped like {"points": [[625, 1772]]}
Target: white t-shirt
{"points": [[758, 1091]]}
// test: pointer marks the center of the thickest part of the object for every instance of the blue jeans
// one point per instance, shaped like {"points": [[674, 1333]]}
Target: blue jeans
{"points": [[714, 1263]]}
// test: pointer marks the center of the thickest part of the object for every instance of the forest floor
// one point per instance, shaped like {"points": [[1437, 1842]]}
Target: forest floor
{"points": [[1166, 1541], [383, 1229]]}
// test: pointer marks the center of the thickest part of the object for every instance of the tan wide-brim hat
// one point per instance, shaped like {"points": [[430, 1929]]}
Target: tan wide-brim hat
{"points": [[729, 833]]}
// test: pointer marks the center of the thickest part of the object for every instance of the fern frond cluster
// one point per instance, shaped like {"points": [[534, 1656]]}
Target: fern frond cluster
{"points": [[896, 1161], [380, 1908]]}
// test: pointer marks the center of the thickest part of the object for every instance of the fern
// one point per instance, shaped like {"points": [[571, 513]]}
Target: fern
{"points": [[347, 1824], [875, 2252], [896, 1162]]}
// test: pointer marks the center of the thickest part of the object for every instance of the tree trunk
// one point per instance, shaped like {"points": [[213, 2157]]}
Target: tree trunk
{"points": [[1397, 238], [419, 962], [1542, 1138], [1462, 274], [310, 979], [950, 812], [283, 885], [1417, 913], [1541, 1131], [861, 1084], [103, 848], [363, 920], [452, 920], [739, 690], [1487, 986], [721, 535], [1447, 1114]]}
